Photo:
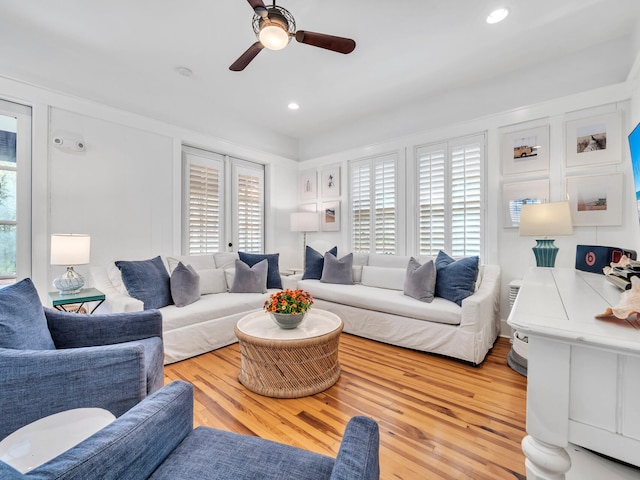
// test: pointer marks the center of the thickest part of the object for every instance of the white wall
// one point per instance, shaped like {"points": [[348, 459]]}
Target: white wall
{"points": [[504, 246], [125, 188]]}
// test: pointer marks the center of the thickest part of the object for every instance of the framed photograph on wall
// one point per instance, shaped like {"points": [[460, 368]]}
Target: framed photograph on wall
{"points": [[526, 151], [308, 185], [595, 200], [516, 194], [330, 217], [330, 179], [593, 140]]}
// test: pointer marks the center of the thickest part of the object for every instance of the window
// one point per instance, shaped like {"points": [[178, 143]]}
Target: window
{"points": [[373, 205], [449, 187], [207, 204], [15, 192]]}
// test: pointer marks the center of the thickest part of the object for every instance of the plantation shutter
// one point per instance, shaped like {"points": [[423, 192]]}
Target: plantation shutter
{"points": [[203, 191], [248, 185], [373, 205], [449, 194]]}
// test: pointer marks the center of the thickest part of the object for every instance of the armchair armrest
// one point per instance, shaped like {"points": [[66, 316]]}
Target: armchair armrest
{"points": [[358, 457], [134, 444], [72, 330], [37, 383]]}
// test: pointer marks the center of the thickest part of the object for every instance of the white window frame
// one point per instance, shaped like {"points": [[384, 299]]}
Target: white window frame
{"points": [[256, 172]]}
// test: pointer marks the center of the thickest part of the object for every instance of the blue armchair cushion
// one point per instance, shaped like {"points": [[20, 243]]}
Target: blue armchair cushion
{"points": [[273, 275], [23, 325], [148, 281], [337, 270], [456, 279], [250, 279], [185, 285], [314, 262]]}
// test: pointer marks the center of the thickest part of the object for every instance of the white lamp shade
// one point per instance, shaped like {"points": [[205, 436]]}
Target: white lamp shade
{"points": [[305, 222], [545, 219], [70, 249]]}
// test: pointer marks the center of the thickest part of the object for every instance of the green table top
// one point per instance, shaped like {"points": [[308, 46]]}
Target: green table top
{"points": [[84, 295]]}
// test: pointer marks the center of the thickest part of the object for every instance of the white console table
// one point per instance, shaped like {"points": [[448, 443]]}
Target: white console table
{"points": [[583, 384]]}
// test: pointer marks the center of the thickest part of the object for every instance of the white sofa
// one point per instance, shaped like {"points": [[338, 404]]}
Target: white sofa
{"points": [[375, 307]]}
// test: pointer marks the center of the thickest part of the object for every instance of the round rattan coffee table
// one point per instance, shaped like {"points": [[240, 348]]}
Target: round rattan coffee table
{"points": [[281, 363]]}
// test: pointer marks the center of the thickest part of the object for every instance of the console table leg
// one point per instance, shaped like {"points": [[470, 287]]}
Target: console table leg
{"points": [[544, 461]]}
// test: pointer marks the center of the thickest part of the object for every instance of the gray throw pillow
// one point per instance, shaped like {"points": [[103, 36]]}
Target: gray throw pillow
{"points": [[250, 279], [185, 285], [23, 325], [337, 270], [420, 281]]}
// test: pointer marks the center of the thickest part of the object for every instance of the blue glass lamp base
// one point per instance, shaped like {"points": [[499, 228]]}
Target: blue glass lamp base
{"points": [[545, 252], [69, 282]]}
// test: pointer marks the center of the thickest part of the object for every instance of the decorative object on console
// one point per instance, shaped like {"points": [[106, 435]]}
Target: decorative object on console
{"points": [[629, 302], [70, 250], [543, 220], [305, 222], [594, 258], [314, 263], [288, 308]]}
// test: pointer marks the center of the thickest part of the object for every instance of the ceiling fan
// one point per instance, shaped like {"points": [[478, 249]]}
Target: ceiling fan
{"points": [[274, 26]]}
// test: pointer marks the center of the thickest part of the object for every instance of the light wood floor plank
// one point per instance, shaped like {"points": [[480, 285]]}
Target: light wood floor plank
{"points": [[438, 418]]}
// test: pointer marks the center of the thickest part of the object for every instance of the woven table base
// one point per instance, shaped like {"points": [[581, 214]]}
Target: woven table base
{"points": [[289, 368]]}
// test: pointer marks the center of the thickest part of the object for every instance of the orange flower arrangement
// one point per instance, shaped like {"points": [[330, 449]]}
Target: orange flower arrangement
{"points": [[289, 301]]}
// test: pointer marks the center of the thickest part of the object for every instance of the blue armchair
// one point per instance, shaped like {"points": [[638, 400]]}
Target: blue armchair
{"points": [[52, 361], [156, 440]]}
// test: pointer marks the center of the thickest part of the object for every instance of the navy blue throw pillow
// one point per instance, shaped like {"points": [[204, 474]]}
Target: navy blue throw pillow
{"points": [[314, 263], [23, 325], [148, 281], [456, 279], [273, 273]]}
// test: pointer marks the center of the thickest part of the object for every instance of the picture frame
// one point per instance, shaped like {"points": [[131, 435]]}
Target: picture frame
{"points": [[593, 140], [526, 151], [516, 194], [330, 216], [308, 189], [595, 200], [330, 182]]}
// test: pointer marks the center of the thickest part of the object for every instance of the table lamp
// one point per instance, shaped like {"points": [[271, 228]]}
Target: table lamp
{"points": [[305, 222], [69, 250], [545, 220]]}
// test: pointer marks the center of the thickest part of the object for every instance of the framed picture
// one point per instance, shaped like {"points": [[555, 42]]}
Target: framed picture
{"points": [[308, 185], [514, 195], [595, 200], [330, 179], [593, 140], [330, 216], [526, 151]]}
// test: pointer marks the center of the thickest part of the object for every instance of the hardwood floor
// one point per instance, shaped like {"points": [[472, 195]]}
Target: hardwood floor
{"points": [[439, 418]]}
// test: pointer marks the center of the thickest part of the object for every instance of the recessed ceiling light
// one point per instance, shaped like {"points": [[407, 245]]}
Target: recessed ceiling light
{"points": [[497, 15], [293, 106], [184, 71]]}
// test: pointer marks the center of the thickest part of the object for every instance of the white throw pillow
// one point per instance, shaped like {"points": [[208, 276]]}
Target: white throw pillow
{"points": [[382, 277]]}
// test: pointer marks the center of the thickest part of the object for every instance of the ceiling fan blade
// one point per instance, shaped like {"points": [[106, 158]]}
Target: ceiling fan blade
{"points": [[258, 6], [246, 57], [322, 40]]}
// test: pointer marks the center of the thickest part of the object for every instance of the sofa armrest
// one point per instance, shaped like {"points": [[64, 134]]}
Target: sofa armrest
{"points": [[483, 306], [72, 330], [134, 444], [358, 457], [37, 383]]}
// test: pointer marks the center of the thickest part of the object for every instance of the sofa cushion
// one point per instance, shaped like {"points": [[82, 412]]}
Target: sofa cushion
{"points": [[23, 325], [250, 279], [314, 262], [148, 281], [456, 279], [337, 270], [225, 259], [420, 280], [381, 277], [185, 285], [212, 279], [273, 274], [359, 261]]}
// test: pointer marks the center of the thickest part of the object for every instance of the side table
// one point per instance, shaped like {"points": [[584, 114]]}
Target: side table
{"points": [[83, 296]]}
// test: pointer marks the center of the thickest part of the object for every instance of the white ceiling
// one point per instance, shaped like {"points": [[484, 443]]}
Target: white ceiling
{"points": [[124, 53]]}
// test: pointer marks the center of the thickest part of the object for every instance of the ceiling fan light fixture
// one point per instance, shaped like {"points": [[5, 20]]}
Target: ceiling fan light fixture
{"points": [[273, 36], [497, 15]]}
